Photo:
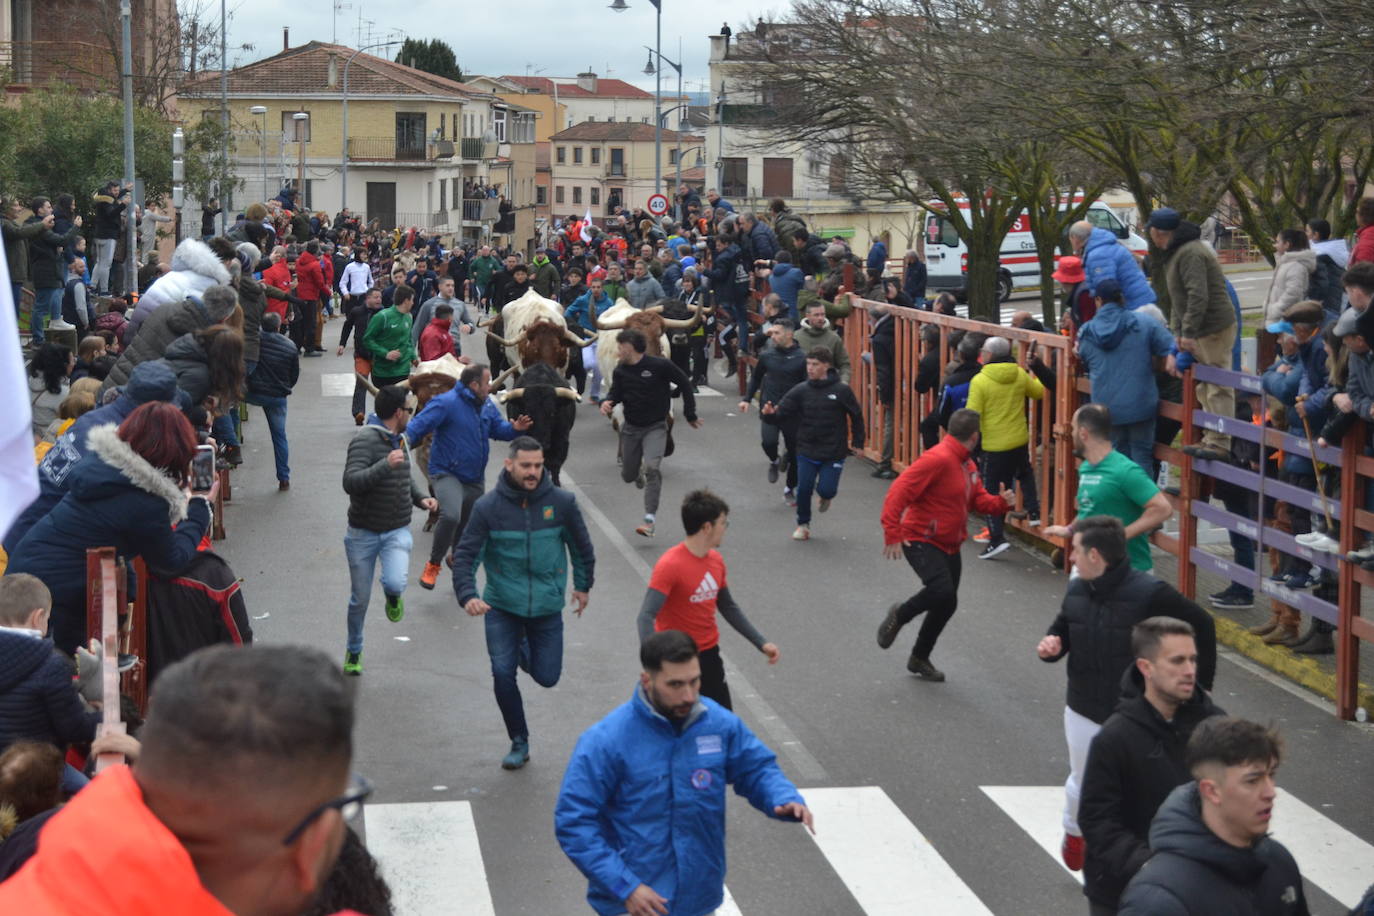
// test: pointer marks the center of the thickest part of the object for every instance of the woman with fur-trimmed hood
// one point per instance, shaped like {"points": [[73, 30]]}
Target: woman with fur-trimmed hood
{"points": [[196, 267], [132, 492]]}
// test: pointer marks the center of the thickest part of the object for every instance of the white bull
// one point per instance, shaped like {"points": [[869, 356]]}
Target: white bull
{"points": [[623, 315], [520, 314]]}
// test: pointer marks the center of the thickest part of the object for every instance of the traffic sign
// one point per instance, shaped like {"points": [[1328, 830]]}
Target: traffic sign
{"points": [[658, 204]]}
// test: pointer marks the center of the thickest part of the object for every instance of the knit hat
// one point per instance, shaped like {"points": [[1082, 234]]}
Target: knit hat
{"points": [[151, 381], [1165, 219], [834, 250]]}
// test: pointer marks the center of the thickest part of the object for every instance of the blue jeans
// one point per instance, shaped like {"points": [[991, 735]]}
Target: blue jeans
{"points": [[223, 430], [1137, 442], [47, 303], [821, 476], [532, 643], [362, 548], [17, 290], [275, 411]]}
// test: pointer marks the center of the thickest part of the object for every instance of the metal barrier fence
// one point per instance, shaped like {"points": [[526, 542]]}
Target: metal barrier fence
{"points": [[1056, 475]]}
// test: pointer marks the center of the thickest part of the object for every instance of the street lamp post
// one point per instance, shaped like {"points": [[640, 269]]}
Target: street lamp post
{"points": [[343, 196], [261, 110], [178, 177], [300, 118], [127, 80], [228, 193], [621, 6], [678, 68]]}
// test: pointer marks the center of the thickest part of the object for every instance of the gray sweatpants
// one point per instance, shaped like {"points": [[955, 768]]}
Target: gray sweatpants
{"points": [[455, 504], [643, 446]]}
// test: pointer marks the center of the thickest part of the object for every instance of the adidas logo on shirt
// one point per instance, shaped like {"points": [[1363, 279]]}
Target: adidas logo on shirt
{"points": [[707, 590]]}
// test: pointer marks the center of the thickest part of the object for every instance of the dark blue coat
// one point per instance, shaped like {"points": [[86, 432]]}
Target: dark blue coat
{"points": [[115, 499], [278, 368], [38, 699]]}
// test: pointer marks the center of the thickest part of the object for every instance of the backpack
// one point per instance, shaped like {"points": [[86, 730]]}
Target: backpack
{"points": [[1325, 285], [200, 605]]}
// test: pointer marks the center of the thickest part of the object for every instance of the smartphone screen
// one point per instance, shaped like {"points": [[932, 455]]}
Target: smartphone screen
{"points": [[203, 469]]}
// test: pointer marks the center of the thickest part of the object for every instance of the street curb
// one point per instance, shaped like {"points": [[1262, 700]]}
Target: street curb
{"points": [[1306, 672]]}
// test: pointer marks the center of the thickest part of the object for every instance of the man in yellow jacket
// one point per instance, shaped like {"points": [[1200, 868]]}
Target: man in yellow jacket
{"points": [[998, 393]]}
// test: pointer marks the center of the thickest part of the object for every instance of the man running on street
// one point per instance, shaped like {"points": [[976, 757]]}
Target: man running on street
{"points": [[526, 532], [643, 384], [641, 811], [781, 367], [925, 519], [828, 419], [463, 419], [688, 586]]}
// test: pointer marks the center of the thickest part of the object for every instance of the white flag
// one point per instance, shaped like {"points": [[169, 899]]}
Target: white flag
{"points": [[587, 226], [18, 471]]}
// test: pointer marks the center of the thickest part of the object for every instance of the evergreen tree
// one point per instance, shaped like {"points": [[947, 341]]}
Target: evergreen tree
{"points": [[432, 56]]}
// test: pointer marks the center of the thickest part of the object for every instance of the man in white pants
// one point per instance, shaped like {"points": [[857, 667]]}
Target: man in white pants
{"points": [[1093, 629]]}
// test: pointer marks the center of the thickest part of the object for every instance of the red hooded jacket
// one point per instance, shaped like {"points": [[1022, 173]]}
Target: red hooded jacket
{"points": [[1364, 245], [436, 339], [310, 283], [930, 500]]}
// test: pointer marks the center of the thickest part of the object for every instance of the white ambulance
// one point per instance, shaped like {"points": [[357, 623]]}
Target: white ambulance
{"points": [[947, 256]]}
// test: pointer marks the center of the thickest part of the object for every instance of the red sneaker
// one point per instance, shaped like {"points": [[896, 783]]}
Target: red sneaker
{"points": [[430, 576], [983, 536], [1072, 852]]}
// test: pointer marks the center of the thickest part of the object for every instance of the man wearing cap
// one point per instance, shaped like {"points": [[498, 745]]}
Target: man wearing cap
{"points": [[1105, 258], [1204, 321], [1120, 349]]}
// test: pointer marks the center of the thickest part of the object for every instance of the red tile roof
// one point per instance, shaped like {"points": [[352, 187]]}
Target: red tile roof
{"points": [[605, 88], [620, 130], [305, 70]]}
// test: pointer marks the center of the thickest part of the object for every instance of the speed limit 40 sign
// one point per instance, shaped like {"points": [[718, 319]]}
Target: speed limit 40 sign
{"points": [[658, 204]]}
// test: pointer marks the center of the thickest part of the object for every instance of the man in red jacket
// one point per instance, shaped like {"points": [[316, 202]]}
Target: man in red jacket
{"points": [[925, 518], [310, 286]]}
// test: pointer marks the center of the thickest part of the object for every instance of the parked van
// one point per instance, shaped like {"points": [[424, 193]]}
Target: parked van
{"points": [[947, 256]]}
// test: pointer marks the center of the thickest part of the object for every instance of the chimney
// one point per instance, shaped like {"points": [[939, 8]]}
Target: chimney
{"points": [[333, 80], [587, 81], [286, 38]]}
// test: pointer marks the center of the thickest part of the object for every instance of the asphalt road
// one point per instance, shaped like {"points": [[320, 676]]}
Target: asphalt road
{"points": [[904, 773]]}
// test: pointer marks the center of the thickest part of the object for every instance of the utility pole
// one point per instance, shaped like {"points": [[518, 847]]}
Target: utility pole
{"points": [[226, 184], [127, 78]]}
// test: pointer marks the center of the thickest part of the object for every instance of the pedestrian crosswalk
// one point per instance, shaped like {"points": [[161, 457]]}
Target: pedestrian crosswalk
{"points": [[431, 855]]}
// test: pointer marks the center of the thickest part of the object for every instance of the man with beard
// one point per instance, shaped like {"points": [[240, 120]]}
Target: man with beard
{"points": [[641, 811], [1109, 483]]}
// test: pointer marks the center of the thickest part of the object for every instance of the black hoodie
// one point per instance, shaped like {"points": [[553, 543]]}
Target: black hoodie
{"points": [[1134, 762], [828, 417], [1193, 872]]}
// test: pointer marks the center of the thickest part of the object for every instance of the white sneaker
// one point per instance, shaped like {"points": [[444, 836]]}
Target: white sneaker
{"points": [[803, 533], [60, 325], [1319, 540], [1364, 553]]}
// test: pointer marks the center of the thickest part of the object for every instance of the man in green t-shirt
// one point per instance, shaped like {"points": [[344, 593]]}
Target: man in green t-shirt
{"points": [[1109, 483]]}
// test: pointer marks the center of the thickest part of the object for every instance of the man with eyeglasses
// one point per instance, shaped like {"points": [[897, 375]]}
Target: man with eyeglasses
{"points": [[236, 804]]}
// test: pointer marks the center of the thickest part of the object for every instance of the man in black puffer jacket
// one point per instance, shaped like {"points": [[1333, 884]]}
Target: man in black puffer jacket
{"points": [[276, 373], [781, 367], [1211, 850], [828, 419], [381, 494], [1102, 605], [1137, 758]]}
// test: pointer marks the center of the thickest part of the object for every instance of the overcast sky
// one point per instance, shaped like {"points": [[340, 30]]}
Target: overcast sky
{"points": [[557, 37]]}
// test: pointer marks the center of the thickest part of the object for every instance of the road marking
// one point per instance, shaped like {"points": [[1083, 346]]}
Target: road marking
{"points": [[1038, 810], [1328, 855], [337, 384], [887, 864], [430, 856], [806, 768], [728, 907]]}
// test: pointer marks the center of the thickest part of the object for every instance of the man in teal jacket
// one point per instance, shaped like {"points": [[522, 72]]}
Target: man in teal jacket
{"points": [[526, 531], [641, 811]]}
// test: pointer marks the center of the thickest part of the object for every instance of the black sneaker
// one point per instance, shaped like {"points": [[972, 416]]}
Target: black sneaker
{"points": [[992, 550], [1206, 453], [888, 629], [884, 472], [923, 668], [1232, 600], [772, 472]]}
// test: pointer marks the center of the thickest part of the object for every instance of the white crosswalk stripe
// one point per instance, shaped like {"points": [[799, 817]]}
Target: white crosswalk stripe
{"points": [[1328, 855], [431, 856]]}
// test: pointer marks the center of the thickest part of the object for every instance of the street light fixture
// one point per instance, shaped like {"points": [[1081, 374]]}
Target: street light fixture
{"points": [[300, 118], [261, 110], [660, 113], [621, 6]]}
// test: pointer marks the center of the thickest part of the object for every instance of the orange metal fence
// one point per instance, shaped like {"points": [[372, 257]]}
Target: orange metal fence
{"points": [[1056, 474]]}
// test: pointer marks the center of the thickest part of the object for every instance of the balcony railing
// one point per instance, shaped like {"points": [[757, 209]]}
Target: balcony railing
{"points": [[479, 210], [615, 170], [472, 148], [384, 149]]}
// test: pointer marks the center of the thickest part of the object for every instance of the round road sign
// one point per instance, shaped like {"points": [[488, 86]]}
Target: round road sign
{"points": [[658, 204]]}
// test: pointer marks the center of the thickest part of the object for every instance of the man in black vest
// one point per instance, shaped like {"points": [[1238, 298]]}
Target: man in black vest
{"points": [[1093, 629], [1137, 758]]}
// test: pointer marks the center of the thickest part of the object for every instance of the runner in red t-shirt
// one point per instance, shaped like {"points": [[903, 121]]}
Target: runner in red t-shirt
{"points": [[688, 587]]}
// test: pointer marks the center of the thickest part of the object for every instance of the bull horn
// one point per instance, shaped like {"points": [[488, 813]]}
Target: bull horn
{"points": [[513, 393], [576, 341], [567, 393], [501, 379], [487, 322], [492, 335], [610, 327], [367, 383], [654, 308], [404, 383], [677, 324]]}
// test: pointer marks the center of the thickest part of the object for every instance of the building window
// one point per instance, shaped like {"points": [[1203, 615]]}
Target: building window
{"points": [[611, 119], [672, 157], [596, 155], [777, 177], [577, 155], [498, 124], [596, 197], [734, 180], [442, 125], [617, 162], [541, 196], [410, 135], [290, 125], [644, 120], [443, 193], [591, 117], [558, 194], [455, 125], [560, 155], [577, 195]]}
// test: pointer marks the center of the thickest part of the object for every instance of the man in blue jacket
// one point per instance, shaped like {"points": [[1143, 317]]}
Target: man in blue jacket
{"points": [[462, 420], [1104, 257], [526, 532], [641, 811], [787, 280], [1120, 349]]}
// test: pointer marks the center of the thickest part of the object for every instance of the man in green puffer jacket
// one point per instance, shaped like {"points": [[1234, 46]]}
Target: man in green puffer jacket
{"points": [[526, 532]]}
